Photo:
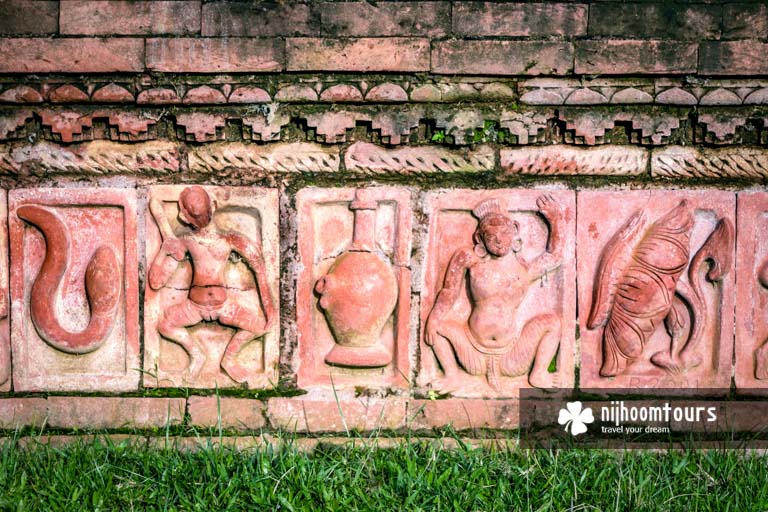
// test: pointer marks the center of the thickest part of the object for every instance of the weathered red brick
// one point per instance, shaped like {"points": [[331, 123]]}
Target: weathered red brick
{"points": [[665, 20], [363, 19], [364, 54], [187, 55], [493, 57], [463, 414], [87, 55], [124, 17], [613, 57], [316, 415], [733, 58], [232, 413], [114, 412], [518, 19], [22, 412], [745, 20], [19, 17], [258, 19]]}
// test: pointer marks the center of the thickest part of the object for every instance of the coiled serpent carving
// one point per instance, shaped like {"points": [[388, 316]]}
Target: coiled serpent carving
{"points": [[102, 286]]}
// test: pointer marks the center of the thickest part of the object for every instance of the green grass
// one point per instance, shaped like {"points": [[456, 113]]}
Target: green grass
{"points": [[107, 476]]}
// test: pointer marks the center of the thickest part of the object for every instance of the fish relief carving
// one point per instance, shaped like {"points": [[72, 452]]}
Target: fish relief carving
{"points": [[638, 286]]}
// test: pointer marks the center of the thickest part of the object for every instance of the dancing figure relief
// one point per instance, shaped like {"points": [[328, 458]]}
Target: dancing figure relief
{"points": [[638, 286], [761, 354], [497, 279], [208, 298], [102, 286]]}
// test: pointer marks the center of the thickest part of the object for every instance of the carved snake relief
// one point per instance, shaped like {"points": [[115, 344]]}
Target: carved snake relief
{"points": [[638, 286], [102, 286]]}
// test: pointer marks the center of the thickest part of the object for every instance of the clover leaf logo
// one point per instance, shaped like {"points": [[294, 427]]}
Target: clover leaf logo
{"points": [[575, 418]]}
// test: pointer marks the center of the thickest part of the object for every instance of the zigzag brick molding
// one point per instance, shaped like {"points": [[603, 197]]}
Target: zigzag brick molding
{"points": [[97, 157], [559, 160], [291, 158], [369, 158], [688, 162]]}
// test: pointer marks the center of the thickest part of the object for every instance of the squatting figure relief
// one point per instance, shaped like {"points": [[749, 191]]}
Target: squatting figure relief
{"points": [[497, 280], [638, 286], [209, 299]]}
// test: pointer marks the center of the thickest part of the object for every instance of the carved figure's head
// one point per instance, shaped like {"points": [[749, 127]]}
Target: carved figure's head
{"points": [[195, 207], [496, 233]]}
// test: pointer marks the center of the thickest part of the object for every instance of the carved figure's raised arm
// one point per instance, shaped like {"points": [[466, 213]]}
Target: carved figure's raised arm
{"points": [[171, 252], [252, 254], [552, 258], [460, 262]]}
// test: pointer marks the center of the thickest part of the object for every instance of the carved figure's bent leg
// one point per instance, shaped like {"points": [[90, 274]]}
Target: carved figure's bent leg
{"points": [[249, 325], [761, 362], [173, 326], [453, 348], [534, 350]]}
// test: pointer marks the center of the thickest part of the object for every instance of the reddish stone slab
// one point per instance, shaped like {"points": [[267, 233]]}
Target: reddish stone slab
{"points": [[733, 58], [363, 54], [519, 19], [363, 19], [752, 293], [5, 310], [493, 57], [622, 57], [206, 55], [258, 19], [25, 17], [91, 413], [496, 244], [229, 413], [22, 412], [71, 55], [71, 239], [655, 21], [88, 17], [362, 414], [653, 314], [353, 289], [211, 311], [463, 414]]}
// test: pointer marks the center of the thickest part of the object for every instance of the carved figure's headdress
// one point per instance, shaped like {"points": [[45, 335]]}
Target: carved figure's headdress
{"points": [[487, 207]]}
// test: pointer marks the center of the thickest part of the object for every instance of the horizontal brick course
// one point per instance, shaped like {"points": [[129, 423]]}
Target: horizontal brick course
{"points": [[230, 413], [22, 412], [493, 57], [516, 19], [341, 19], [86, 55], [258, 19], [744, 21], [363, 54], [188, 55], [654, 20], [114, 412], [129, 18], [19, 17], [733, 58], [615, 57], [315, 415]]}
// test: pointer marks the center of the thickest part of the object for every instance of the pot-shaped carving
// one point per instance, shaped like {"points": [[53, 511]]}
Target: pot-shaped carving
{"points": [[358, 296]]}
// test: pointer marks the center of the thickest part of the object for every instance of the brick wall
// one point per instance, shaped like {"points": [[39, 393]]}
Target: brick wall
{"points": [[598, 133]]}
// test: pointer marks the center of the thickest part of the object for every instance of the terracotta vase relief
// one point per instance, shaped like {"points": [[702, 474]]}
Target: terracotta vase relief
{"points": [[358, 294]]}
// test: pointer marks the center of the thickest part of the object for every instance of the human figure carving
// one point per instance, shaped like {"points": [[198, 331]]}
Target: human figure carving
{"points": [[638, 286], [208, 299], [499, 278], [102, 286], [761, 356]]}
